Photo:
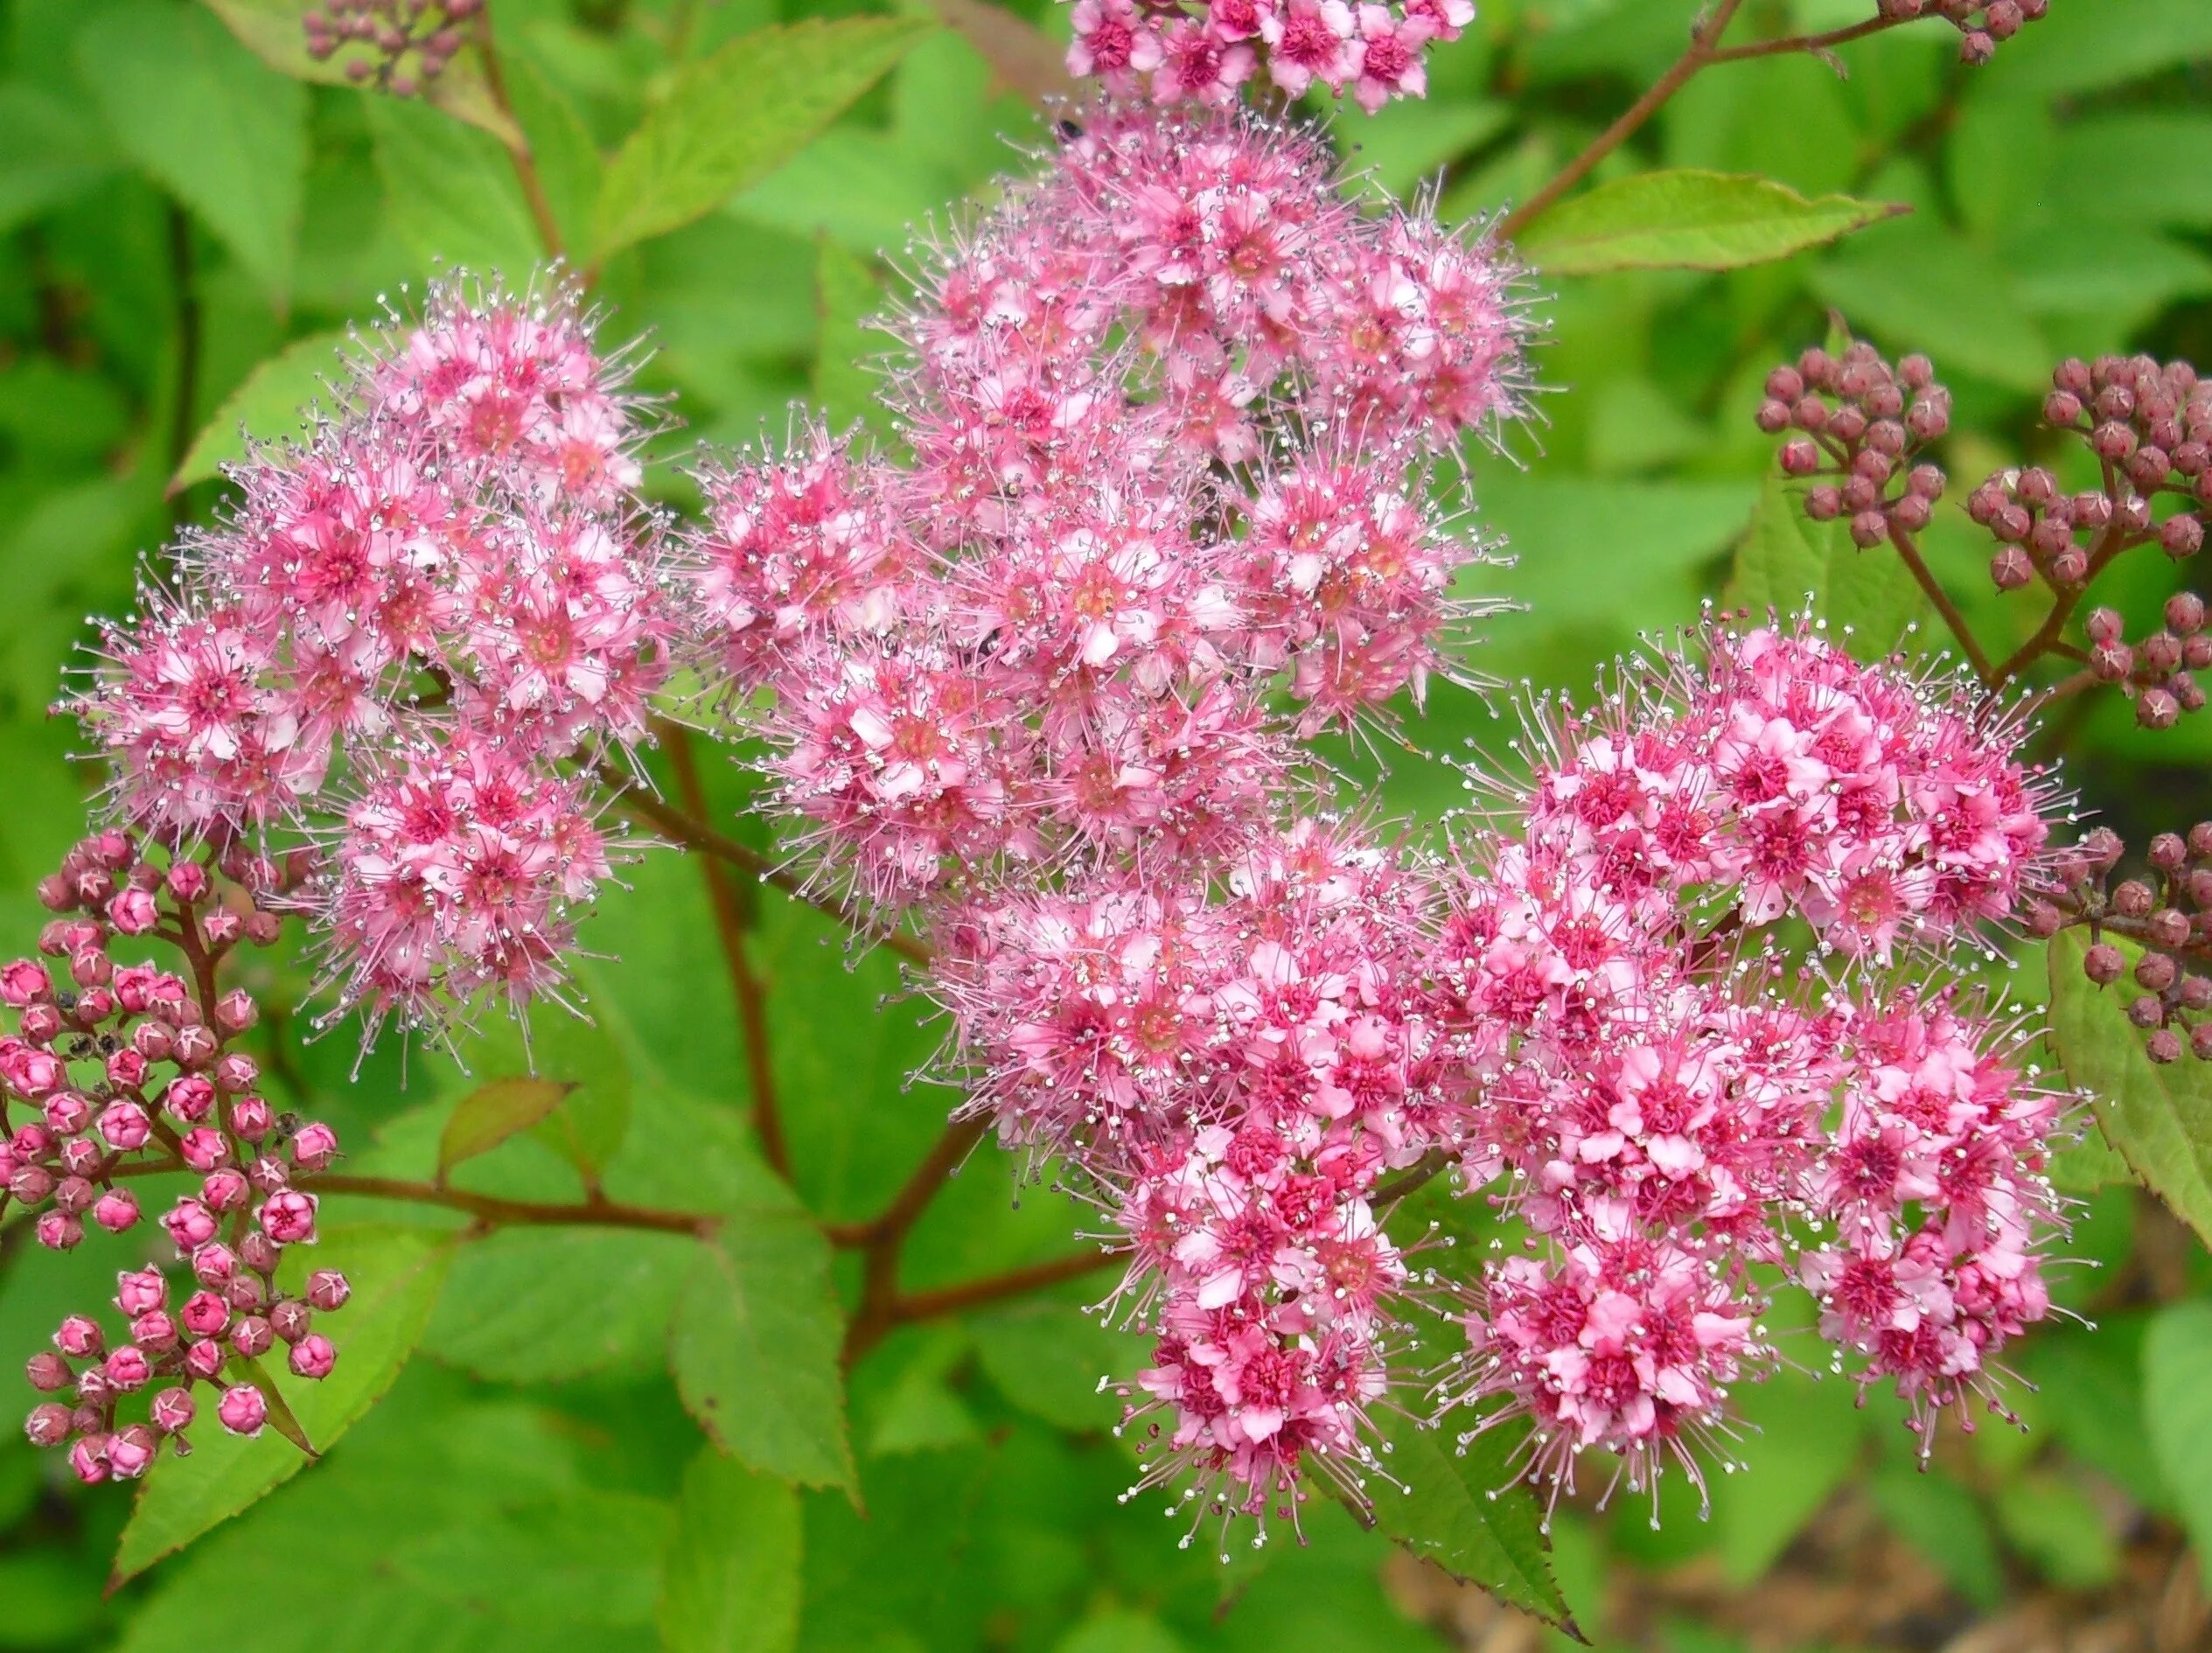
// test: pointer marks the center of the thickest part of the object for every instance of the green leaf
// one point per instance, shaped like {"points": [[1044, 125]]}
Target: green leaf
{"points": [[1459, 1511], [590, 1119], [734, 116], [49, 153], [1930, 287], [2083, 48], [271, 29], [730, 1581], [2097, 173], [1803, 1440], [754, 1350], [1690, 220], [2055, 1525], [1786, 559], [2177, 1410], [1050, 1359], [396, 1274], [271, 404], [530, 1305], [2158, 1117], [845, 293], [1938, 1518], [587, 1559], [449, 191], [492, 1113], [218, 131], [1119, 1630]]}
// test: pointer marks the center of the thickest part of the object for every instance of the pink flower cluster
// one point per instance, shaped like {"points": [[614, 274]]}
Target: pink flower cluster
{"points": [[1236, 1065], [1169, 408], [1669, 1105], [130, 1069], [1172, 409], [1205, 52], [451, 574]]}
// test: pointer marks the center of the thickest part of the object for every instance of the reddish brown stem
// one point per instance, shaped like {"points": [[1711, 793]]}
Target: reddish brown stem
{"points": [[519, 155], [1976, 655], [880, 1237], [2109, 545], [733, 922], [1014, 1282], [920, 1188], [1806, 42], [694, 833], [596, 1212], [1703, 38]]}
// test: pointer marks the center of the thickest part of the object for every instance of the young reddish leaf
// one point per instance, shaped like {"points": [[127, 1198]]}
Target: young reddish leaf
{"points": [[495, 1112]]}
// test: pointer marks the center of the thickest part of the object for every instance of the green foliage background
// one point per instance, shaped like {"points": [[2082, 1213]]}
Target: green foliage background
{"points": [[174, 214]]}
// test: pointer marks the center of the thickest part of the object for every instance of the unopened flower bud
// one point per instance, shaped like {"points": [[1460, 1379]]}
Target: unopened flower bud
{"points": [[314, 1148], [327, 1289], [173, 1410], [2155, 708], [59, 1230], [288, 1217], [2104, 964], [243, 1409], [49, 1372], [2162, 1045], [117, 1212], [2155, 971], [48, 1424], [312, 1356], [290, 1319]]}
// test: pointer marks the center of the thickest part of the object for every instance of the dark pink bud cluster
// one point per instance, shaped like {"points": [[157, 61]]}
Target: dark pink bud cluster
{"points": [[2166, 912], [399, 45], [454, 565], [1982, 24], [128, 1070], [1170, 407], [1668, 1101], [1864, 423], [1202, 52], [2157, 670]]}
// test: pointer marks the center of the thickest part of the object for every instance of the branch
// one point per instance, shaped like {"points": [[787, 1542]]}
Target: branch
{"points": [[518, 142], [1014, 1282], [1022, 58], [1414, 1176], [881, 1238], [915, 1194], [1695, 56], [1814, 43], [733, 918], [1976, 656], [595, 1212], [696, 834]]}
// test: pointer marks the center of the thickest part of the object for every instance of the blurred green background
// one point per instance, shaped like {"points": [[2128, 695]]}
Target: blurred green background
{"points": [[173, 214]]}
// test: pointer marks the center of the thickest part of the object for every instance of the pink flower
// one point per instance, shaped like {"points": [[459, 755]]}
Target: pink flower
{"points": [[1389, 50], [1198, 65], [1309, 41], [1113, 41]]}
